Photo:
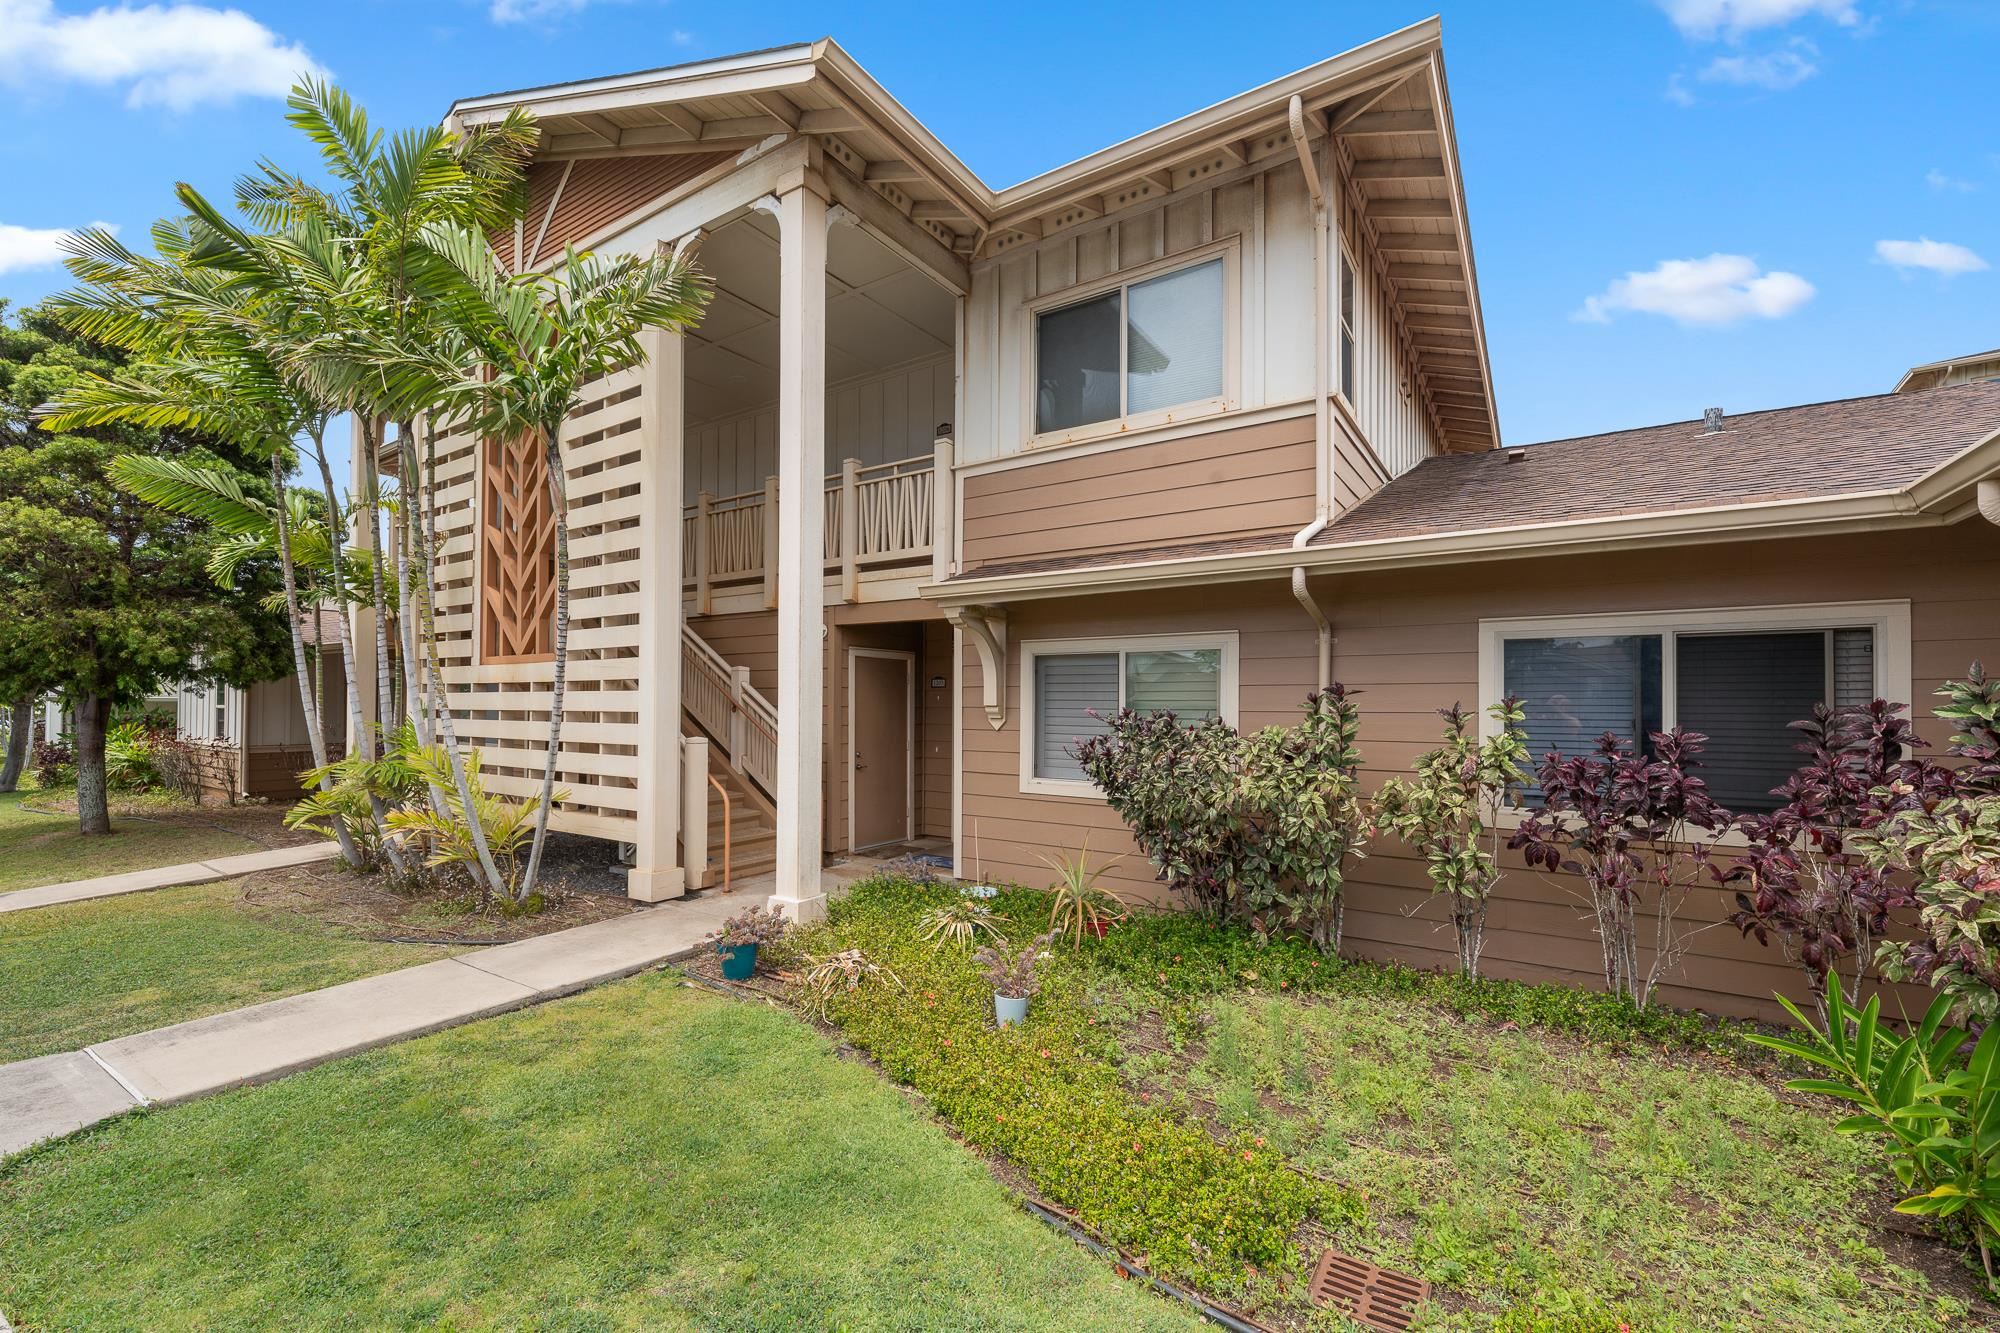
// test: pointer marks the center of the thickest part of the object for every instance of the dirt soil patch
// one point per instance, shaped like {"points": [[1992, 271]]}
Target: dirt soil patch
{"points": [[579, 890]]}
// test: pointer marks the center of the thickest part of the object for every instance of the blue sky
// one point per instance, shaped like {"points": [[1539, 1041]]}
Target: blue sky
{"points": [[1675, 203]]}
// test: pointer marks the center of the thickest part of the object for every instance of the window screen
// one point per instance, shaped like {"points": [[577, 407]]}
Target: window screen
{"points": [[1067, 688], [1186, 682], [1173, 338], [1573, 690], [1076, 361], [1854, 668]]}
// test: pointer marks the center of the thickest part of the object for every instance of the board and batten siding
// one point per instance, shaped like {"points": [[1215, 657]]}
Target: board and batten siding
{"points": [[1266, 213], [1408, 640], [881, 418], [1239, 482]]}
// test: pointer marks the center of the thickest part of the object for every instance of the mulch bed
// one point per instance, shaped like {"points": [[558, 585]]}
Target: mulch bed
{"points": [[578, 881]]}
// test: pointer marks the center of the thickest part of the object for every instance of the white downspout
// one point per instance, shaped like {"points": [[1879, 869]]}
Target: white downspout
{"points": [[1989, 499], [1322, 626]]}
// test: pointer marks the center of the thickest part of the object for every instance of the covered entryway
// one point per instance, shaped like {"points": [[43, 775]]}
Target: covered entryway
{"points": [[881, 746]]}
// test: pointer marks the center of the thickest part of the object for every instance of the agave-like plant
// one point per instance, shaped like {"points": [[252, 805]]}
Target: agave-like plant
{"points": [[959, 922]]}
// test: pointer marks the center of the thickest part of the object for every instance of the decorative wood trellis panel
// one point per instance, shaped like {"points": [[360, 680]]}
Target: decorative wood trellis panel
{"points": [[518, 554], [502, 707]]}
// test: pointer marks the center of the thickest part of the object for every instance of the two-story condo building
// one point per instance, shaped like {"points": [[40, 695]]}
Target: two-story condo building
{"points": [[1202, 421]]}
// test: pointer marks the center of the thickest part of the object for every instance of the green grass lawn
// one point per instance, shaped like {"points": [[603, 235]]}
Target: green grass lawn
{"points": [[38, 849], [646, 1156], [82, 972], [1546, 1158]]}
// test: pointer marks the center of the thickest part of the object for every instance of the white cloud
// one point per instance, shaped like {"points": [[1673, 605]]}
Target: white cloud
{"points": [[171, 55], [1720, 289], [1705, 20], [1938, 180], [1776, 71], [1941, 257], [35, 247], [1677, 91], [525, 11]]}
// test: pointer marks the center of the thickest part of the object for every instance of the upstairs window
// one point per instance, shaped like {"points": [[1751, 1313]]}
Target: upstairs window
{"points": [[1139, 348], [1739, 678], [1344, 369]]}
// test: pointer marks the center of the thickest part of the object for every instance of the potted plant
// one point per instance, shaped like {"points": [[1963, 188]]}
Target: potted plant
{"points": [[742, 935], [1077, 904], [1012, 976]]}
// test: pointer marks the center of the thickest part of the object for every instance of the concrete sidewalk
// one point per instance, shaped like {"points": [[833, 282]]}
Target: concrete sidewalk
{"points": [[57, 1094], [167, 877]]}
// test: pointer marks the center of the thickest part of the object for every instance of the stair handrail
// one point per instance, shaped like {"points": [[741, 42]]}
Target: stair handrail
{"points": [[749, 737]]}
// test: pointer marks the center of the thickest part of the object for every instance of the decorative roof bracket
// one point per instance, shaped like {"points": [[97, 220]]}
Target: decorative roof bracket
{"points": [[987, 628]]}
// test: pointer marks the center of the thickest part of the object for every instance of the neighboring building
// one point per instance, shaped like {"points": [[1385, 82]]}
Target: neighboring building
{"points": [[1957, 370], [1202, 420], [256, 739]]}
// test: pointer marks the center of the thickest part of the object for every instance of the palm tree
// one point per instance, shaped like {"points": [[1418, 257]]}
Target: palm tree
{"points": [[200, 344], [536, 339]]}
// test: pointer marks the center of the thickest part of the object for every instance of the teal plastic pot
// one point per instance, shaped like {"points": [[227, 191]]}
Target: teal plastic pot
{"points": [[1009, 1010], [738, 961]]}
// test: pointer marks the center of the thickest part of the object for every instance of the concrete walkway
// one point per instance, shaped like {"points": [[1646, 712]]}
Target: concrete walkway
{"points": [[58, 1094], [167, 877]]}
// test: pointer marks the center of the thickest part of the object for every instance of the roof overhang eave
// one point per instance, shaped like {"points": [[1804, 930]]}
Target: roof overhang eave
{"points": [[1786, 518]]}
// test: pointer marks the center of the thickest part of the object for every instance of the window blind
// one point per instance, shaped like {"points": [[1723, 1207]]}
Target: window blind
{"points": [[1574, 690], [1854, 668], [1186, 682], [1067, 686], [1744, 691]]}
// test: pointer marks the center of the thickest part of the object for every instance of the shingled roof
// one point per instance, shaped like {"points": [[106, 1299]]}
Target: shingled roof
{"points": [[1819, 451], [1854, 446]]}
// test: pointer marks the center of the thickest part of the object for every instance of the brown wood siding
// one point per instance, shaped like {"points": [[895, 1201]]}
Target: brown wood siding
{"points": [[597, 193], [1242, 482], [1409, 641]]}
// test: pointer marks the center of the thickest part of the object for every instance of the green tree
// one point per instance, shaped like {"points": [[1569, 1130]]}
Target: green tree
{"points": [[104, 598]]}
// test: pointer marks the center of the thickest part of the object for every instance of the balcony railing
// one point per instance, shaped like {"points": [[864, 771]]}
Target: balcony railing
{"points": [[875, 517]]}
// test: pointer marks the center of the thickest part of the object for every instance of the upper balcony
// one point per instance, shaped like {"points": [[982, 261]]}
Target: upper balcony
{"points": [[881, 527]]}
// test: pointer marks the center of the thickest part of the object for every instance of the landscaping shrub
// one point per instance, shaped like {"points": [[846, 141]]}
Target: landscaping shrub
{"points": [[1931, 1097], [1446, 811], [128, 757], [1809, 882], [1628, 824], [1258, 827], [1949, 848], [55, 763], [1048, 1098]]}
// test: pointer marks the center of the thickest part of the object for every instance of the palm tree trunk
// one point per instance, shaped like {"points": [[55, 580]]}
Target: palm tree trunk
{"points": [[385, 702], [435, 694], [20, 730], [93, 794], [357, 721], [308, 694], [559, 503]]}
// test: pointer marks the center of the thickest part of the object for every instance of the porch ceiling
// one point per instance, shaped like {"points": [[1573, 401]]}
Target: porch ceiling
{"points": [[880, 313]]}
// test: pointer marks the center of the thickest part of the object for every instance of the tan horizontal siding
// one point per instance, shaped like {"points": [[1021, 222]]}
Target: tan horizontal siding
{"points": [[1408, 642], [1225, 483]]}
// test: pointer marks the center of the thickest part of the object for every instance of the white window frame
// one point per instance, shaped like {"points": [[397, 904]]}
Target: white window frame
{"points": [[1346, 275], [1889, 619], [1033, 649], [1229, 250]]}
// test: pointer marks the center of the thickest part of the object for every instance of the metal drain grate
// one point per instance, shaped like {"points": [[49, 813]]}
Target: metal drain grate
{"points": [[1370, 1296]]}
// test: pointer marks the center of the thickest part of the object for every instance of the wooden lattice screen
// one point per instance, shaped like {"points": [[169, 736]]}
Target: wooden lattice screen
{"points": [[518, 554]]}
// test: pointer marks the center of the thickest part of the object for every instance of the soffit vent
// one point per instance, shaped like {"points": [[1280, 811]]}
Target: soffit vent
{"points": [[1372, 1297]]}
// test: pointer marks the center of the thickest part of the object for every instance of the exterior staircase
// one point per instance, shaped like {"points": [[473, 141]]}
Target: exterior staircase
{"points": [[719, 705]]}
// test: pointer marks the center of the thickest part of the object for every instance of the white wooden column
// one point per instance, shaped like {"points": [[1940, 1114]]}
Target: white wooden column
{"points": [[801, 211], [656, 869]]}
